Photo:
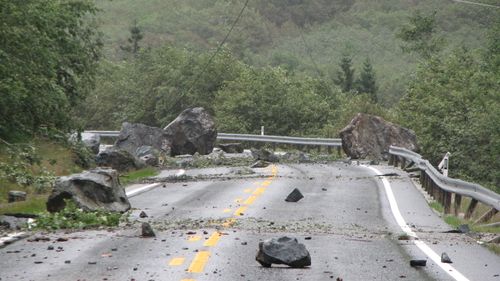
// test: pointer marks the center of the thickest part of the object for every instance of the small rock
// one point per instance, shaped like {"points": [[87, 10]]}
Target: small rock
{"points": [[67, 261], [147, 230], [62, 239], [15, 196], [92, 262], [50, 248], [415, 263], [143, 214], [260, 164], [308, 238], [294, 196], [445, 258], [324, 189]]}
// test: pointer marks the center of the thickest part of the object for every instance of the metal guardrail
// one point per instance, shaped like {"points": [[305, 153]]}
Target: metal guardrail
{"points": [[443, 188], [255, 138]]}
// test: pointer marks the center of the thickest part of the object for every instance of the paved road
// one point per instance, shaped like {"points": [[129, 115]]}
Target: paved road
{"points": [[209, 230]]}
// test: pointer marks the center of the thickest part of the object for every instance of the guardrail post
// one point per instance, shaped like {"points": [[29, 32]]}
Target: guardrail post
{"points": [[447, 202], [329, 149], [470, 209], [458, 203], [396, 159], [487, 216], [391, 159], [403, 162], [339, 151]]}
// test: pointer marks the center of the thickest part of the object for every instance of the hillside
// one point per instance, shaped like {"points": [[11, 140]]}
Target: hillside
{"points": [[298, 35]]}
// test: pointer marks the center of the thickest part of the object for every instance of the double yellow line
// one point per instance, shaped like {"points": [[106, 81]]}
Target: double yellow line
{"points": [[201, 258]]}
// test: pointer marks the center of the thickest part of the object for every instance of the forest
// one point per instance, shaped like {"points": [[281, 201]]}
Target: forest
{"points": [[298, 67]]}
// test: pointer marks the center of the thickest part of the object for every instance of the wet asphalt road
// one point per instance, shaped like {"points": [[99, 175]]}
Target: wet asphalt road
{"points": [[210, 230]]}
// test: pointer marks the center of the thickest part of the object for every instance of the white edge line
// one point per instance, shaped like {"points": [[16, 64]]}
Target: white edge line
{"points": [[136, 191], [404, 226]]}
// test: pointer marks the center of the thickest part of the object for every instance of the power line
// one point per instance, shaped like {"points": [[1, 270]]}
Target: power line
{"points": [[476, 3], [211, 58]]}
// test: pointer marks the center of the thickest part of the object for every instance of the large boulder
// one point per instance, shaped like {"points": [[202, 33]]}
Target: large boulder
{"points": [[369, 136], [192, 131], [134, 136], [148, 155], [97, 189], [283, 250], [117, 159]]}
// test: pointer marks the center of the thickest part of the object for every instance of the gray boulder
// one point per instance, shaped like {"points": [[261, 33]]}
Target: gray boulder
{"points": [[148, 155], [134, 136], [263, 154], [97, 189], [369, 136], [13, 223], [283, 250], [117, 159], [192, 131], [231, 147]]}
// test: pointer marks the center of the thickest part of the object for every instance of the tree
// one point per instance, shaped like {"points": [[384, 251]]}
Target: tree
{"points": [[419, 36], [345, 77], [48, 53], [366, 82], [134, 39]]}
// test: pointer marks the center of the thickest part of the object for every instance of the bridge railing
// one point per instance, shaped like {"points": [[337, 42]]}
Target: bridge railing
{"points": [[445, 190]]}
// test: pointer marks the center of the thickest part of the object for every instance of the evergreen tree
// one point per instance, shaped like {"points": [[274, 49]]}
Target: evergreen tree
{"points": [[420, 36], [366, 82], [135, 37], [345, 77]]}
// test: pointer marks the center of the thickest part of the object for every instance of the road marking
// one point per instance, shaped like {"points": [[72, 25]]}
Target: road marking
{"points": [[199, 262], [188, 280], [240, 211], [250, 200], [177, 261], [248, 190], [266, 183], [404, 226], [238, 200], [194, 238], [227, 210], [212, 241], [134, 192], [259, 191]]}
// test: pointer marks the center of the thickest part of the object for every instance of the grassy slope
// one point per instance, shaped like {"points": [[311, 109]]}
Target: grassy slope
{"points": [[62, 164], [366, 29]]}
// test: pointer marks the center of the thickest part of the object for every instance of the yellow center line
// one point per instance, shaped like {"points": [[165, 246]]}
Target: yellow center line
{"points": [[188, 280], [266, 183], [212, 241], [259, 191], [238, 200], [176, 261], [248, 190], [250, 200], [240, 211], [199, 262], [194, 238], [227, 210]]}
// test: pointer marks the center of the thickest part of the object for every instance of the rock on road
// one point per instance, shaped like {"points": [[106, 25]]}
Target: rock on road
{"points": [[210, 230]]}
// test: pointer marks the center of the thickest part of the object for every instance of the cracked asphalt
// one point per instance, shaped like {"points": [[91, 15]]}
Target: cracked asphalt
{"points": [[210, 230]]}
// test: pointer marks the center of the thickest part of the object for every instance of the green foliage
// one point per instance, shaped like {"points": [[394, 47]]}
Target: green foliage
{"points": [[452, 104], [19, 165], [419, 36], [135, 37], [366, 82], [48, 52], [345, 77], [72, 217], [137, 175]]}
